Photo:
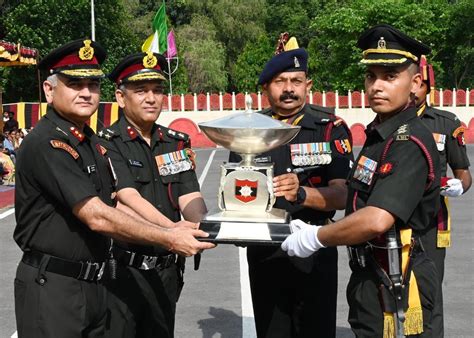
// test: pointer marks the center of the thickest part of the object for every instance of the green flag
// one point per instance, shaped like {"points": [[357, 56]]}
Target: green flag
{"points": [[159, 25]]}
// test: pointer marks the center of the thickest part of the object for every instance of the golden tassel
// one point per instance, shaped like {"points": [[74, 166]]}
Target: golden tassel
{"points": [[444, 236]]}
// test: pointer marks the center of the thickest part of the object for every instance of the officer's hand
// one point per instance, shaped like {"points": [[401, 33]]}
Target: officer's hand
{"points": [[452, 188], [303, 243], [286, 185], [186, 224], [182, 241]]}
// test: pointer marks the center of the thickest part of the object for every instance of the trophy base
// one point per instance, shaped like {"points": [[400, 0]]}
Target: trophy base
{"points": [[247, 228]]}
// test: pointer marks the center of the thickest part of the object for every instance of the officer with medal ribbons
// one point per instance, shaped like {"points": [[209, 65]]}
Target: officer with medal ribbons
{"points": [[448, 134], [393, 196], [295, 297], [156, 180], [64, 206]]}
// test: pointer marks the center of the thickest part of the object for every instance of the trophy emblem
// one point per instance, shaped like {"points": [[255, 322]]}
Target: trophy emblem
{"points": [[245, 213]]}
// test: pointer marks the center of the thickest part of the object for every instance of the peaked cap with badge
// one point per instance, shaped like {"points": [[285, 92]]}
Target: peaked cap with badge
{"points": [[288, 58], [384, 45], [139, 67], [78, 59]]}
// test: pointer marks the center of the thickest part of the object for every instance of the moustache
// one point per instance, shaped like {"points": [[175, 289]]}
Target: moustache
{"points": [[286, 96]]}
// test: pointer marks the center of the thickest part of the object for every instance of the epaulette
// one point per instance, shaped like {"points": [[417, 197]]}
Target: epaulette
{"points": [[445, 114], [107, 134], [177, 135], [267, 111], [402, 133], [324, 110]]}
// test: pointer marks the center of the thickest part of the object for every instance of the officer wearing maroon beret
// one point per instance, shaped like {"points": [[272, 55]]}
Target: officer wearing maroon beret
{"points": [[448, 134], [294, 297], [64, 206], [393, 196], [156, 179]]}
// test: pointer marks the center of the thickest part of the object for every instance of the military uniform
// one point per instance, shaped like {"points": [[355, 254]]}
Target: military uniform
{"points": [[58, 291], [401, 182], [148, 279], [448, 134], [295, 297]]}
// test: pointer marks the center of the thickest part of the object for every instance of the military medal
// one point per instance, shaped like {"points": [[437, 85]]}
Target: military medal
{"points": [[173, 163], [305, 154], [365, 170], [440, 140]]}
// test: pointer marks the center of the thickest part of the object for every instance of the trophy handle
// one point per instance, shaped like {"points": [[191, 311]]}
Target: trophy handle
{"points": [[272, 198], [220, 193]]}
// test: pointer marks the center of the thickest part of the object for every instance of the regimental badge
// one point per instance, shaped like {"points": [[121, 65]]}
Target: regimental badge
{"points": [[150, 60], [440, 140], [382, 44], [297, 62], [305, 154], [386, 169], [246, 190], [365, 170], [343, 146], [459, 135], [86, 52], [101, 149], [64, 146], [173, 163]]}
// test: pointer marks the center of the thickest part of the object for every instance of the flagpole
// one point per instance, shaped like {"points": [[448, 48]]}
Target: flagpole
{"points": [[169, 76], [92, 21]]}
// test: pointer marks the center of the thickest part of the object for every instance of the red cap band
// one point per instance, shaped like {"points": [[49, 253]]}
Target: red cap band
{"points": [[73, 59], [132, 69]]}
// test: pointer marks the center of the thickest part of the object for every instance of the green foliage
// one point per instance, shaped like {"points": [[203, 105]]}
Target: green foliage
{"points": [[204, 57], [224, 44], [250, 63]]}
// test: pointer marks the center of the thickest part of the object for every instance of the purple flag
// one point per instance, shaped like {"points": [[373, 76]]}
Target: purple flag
{"points": [[172, 50]]}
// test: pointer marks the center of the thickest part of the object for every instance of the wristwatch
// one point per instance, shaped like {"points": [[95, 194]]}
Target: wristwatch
{"points": [[300, 196]]}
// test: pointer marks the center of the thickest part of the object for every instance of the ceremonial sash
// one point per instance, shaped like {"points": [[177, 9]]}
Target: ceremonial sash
{"points": [[444, 224]]}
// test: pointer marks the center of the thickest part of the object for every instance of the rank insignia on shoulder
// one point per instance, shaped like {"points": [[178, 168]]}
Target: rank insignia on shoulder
{"points": [[343, 146], [305, 154], [173, 163], [386, 169], [338, 122], [64, 146], [365, 170], [459, 135], [403, 133], [440, 140]]}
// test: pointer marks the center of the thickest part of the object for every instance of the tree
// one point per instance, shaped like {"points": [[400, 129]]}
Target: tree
{"points": [[46, 27], [250, 64], [333, 53], [202, 55]]}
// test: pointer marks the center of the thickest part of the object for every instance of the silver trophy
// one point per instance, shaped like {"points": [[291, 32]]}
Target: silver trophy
{"points": [[245, 198]]}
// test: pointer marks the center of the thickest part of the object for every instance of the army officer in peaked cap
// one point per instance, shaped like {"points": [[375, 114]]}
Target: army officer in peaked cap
{"points": [[64, 206], [294, 297], [156, 179], [393, 195]]}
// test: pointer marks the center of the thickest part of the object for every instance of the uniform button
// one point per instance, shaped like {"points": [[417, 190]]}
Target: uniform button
{"points": [[159, 206], [156, 180], [42, 281]]}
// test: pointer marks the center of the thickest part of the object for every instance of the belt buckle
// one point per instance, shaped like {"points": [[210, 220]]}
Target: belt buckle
{"points": [[149, 262], [94, 271]]}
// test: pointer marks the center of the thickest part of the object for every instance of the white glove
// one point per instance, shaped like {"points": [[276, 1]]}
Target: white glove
{"points": [[453, 188], [303, 242]]}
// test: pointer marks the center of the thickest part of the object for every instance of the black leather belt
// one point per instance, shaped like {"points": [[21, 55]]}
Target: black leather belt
{"points": [[142, 262], [88, 271]]}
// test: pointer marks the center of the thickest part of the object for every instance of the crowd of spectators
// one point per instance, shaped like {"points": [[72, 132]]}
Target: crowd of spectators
{"points": [[10, 141]]}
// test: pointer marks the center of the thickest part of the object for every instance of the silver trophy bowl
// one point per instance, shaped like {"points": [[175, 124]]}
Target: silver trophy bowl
{"points": [[248, 133]]}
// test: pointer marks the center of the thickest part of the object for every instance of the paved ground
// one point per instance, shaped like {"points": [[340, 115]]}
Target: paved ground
{"points": [[215, 301]]}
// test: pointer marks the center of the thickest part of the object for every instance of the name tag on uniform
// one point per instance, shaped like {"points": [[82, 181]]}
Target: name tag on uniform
{"points": [[173, 163], [135, 163], [305, 154], [365, 170], [440, 140]]}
